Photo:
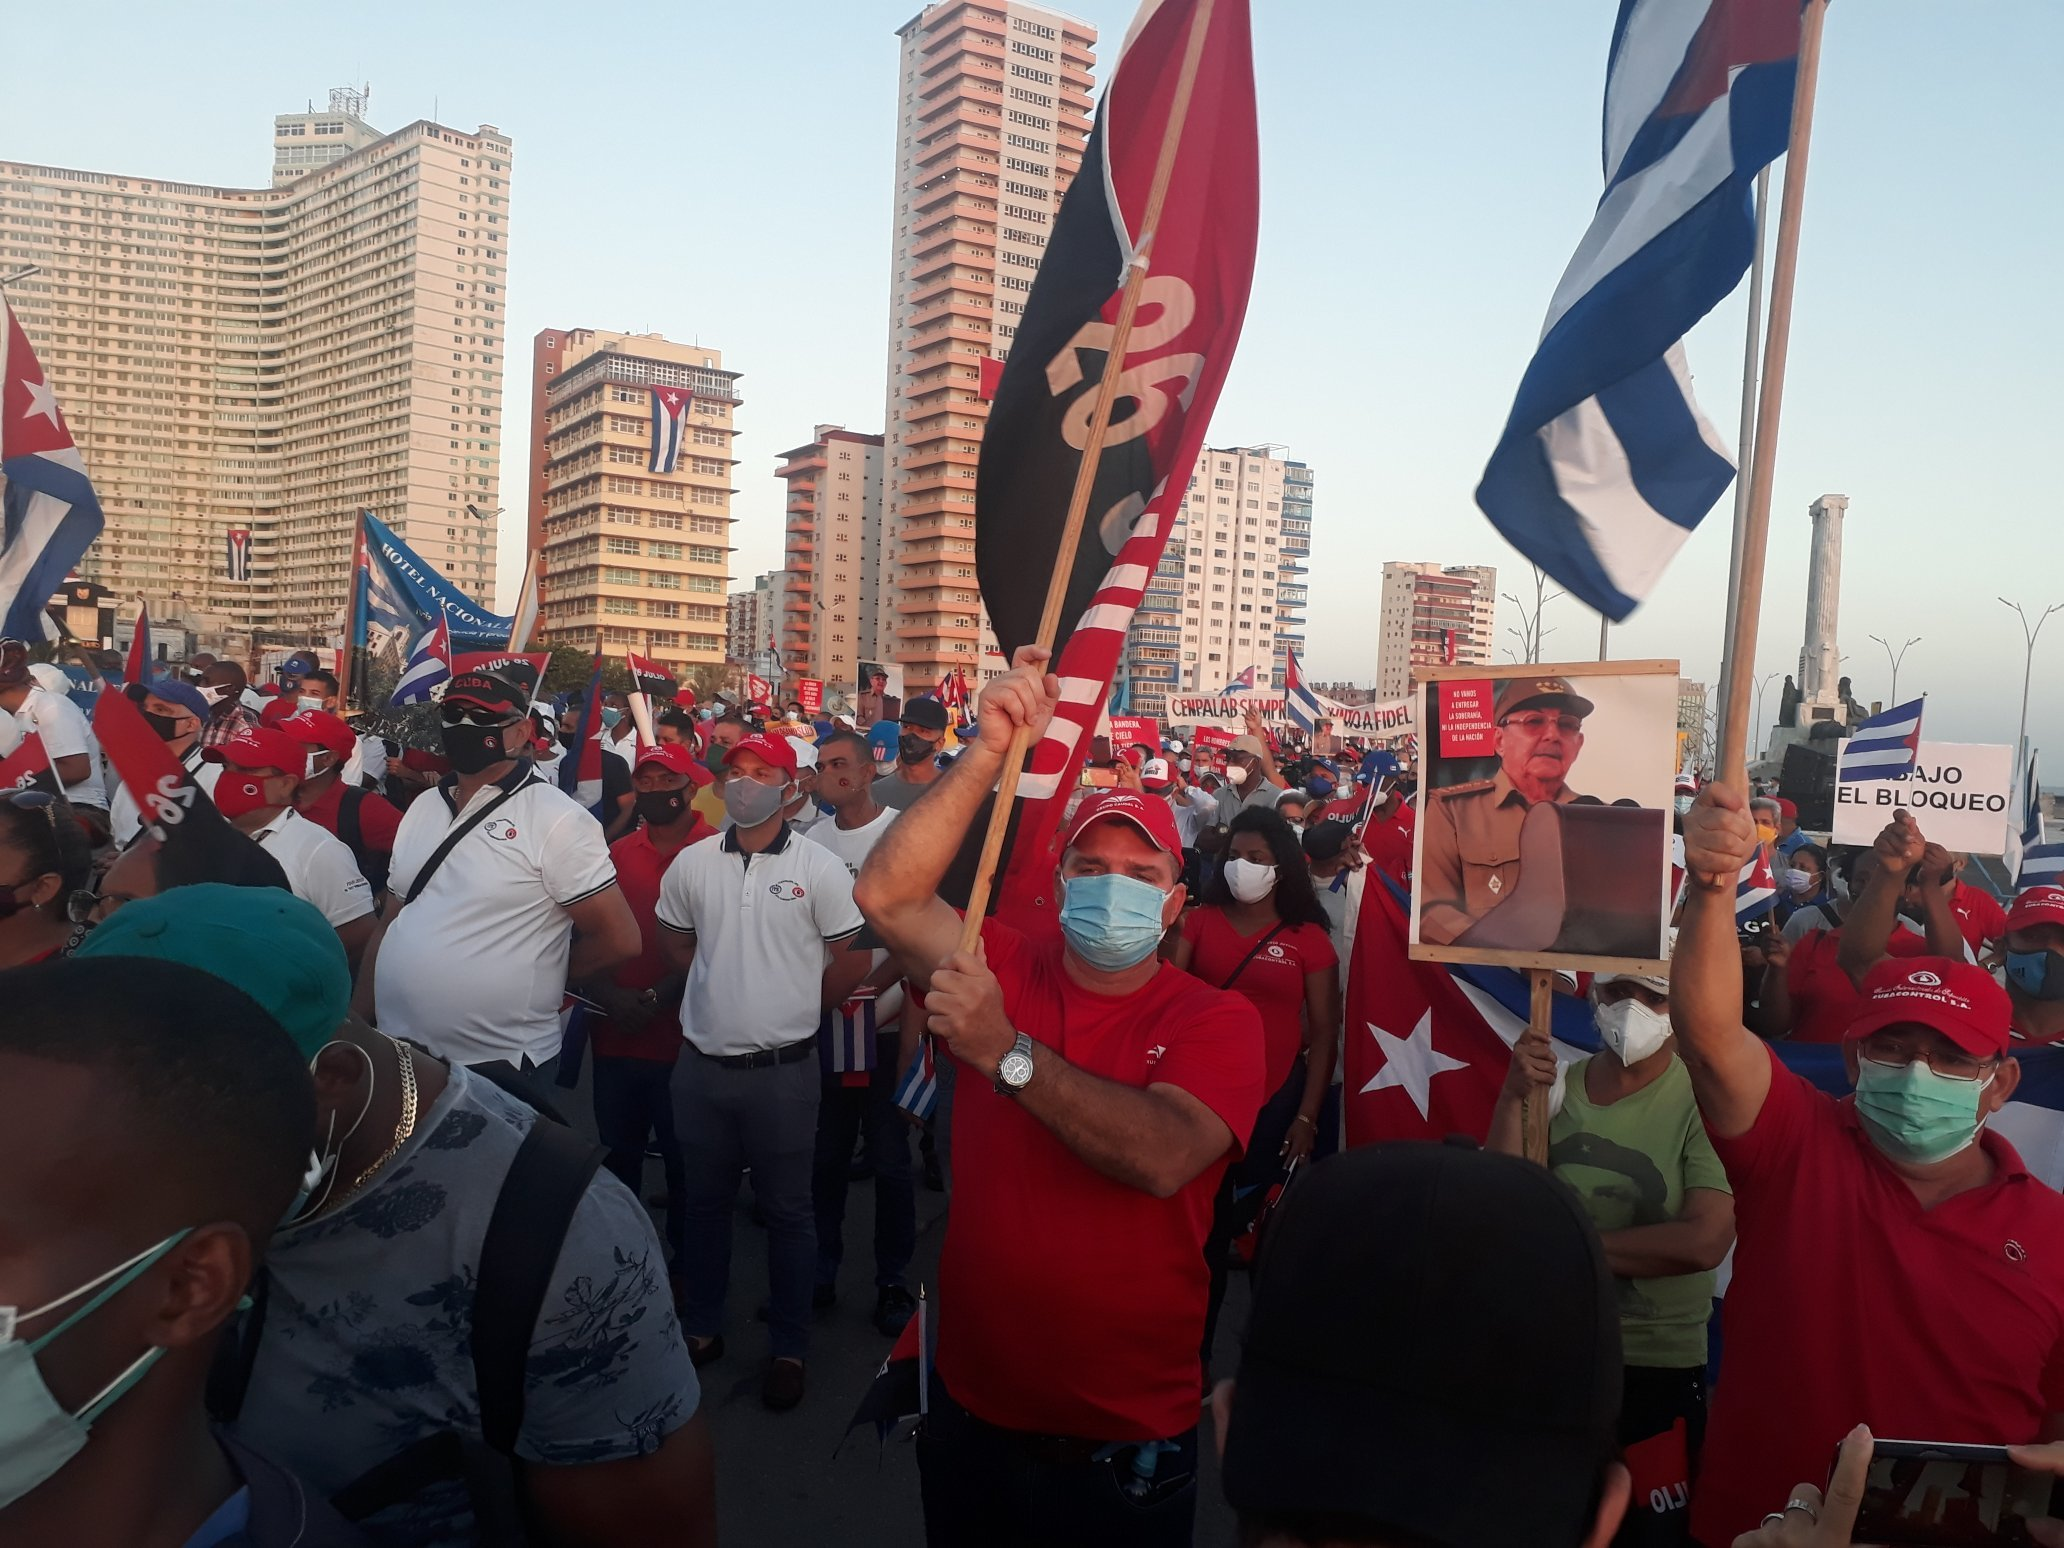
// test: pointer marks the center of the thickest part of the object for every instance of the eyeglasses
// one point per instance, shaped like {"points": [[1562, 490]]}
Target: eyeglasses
{"points": [[1534, 725], [1897, 1051], [471, 715]]}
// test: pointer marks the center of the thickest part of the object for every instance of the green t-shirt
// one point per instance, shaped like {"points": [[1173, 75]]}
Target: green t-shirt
{"points": [[1631, 1163]]}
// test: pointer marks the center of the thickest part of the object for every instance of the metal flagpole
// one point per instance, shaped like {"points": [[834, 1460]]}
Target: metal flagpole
{"points": [[1086, 470], [1741, 641], [1746, 442]]}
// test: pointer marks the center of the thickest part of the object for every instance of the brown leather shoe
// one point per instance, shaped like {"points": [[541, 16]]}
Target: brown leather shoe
{"points": [[782, 1388]]}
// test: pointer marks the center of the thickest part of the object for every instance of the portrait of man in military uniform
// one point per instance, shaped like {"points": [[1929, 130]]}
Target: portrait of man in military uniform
{"points": [[1470, 857]]}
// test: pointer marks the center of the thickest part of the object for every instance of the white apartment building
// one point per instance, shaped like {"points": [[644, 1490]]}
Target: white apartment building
{"points": [[829, 623], [1430, 616]]}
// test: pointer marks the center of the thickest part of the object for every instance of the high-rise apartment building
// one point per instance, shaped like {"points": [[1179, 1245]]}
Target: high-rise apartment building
{"points": [[1431, 616], [1229, 591], [992, 116], [275, 359], [637, 559], [828, 620], [753, 625]]}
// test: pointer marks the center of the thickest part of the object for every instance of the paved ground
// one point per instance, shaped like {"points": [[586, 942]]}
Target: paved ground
{"points": [[778, 1482]]}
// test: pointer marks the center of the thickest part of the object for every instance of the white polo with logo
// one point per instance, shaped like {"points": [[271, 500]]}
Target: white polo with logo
{"points": [[320, 866], [761, 923], [475, 968]]}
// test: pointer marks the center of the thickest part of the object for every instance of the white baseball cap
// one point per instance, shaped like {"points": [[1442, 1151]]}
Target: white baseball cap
{"points": [[805, 752]]}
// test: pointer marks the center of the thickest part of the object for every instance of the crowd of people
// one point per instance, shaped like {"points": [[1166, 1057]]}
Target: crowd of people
{"points": [[323, 1193]]}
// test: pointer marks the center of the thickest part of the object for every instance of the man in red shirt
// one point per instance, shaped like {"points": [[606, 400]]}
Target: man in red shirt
{"points": [[1978, 912], [635, 1031], [1896, 1264], [364, 819], [1102, 1095]]}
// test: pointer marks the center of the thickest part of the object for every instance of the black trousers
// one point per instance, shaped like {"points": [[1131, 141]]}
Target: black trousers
{"points": [[986, 1487], [1652, 1399], [632, 1104], [1243, 1189]]}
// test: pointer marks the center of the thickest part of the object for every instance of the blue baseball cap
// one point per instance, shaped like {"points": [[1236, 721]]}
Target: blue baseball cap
{"points": [[263, 940], [173, 691]]}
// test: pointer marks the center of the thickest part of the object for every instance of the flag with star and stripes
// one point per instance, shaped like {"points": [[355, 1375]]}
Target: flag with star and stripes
{"points": [[49, 514]]}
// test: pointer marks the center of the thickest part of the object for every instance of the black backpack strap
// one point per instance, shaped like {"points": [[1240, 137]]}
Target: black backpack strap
{"points": [[351, 829], [452, 838], [532, 1214]]}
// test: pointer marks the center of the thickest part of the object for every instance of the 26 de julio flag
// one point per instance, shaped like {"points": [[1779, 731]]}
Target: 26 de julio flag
{"points": [[1199, 265], [669, 427], [49, 514], [649, 677]]}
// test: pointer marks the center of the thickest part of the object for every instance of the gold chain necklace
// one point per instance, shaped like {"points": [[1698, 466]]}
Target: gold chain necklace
{"points": [[403, 1127]]}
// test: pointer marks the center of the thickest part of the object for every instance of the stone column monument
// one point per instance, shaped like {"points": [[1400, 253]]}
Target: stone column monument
{"points": [[1820, 657]]}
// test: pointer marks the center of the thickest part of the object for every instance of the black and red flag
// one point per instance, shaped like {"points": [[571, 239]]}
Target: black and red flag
{"points": [[650, 678], [1199, 263]]}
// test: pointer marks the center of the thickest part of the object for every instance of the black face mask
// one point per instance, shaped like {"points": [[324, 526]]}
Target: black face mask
{"points": [[166, 726], [473, 749], [914, 749], [660, 807]]}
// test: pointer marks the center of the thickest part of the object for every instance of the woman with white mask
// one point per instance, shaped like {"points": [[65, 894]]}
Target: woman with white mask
{"points": [[1625, 1134]]}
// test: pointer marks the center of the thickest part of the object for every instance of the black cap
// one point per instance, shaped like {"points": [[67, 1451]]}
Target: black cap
{"points": [[925, 714], [1434, 1346], [1323, 841], [487, 691]]}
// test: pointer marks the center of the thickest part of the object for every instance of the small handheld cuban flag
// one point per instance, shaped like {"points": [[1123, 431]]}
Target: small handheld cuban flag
{"points": [[237, 553], [848, 1043], [1755, 891], [669, 427], [1299, 702], [429, 665], [917, 1093], [1886, 746]]}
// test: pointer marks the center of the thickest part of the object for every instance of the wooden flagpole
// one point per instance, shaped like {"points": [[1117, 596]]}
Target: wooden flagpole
{"points": [[1745, 440], [1541, 1019], [1740, 660], [1092, 457]]}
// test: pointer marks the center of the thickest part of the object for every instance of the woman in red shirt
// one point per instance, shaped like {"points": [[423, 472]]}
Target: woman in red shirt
{"points": [[44, 859], [1261, 932]]}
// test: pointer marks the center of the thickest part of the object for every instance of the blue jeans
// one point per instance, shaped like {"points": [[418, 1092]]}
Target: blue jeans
{"points": [[633, 1102], [727, 1120], [844, 1112]]}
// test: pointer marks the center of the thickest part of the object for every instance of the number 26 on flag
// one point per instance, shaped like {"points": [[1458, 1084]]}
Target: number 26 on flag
{"points": [[1144, 382]]}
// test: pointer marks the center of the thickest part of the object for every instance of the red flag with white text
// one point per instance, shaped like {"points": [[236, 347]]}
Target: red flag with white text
{"points": [[1199, 264]]}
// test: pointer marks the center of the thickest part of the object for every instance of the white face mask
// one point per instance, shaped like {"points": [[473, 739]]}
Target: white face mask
{"points": [[214, 693], [1683, 804], [1235, 774], [1799, 880], [1631, 1030], [1250, 880]]}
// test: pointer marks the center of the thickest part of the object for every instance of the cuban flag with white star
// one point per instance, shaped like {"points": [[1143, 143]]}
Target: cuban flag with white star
{"points": [[669, 427], [49, 514]]}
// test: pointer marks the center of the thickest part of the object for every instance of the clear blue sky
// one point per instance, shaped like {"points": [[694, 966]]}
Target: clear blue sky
{"points": [[1426, 173]]}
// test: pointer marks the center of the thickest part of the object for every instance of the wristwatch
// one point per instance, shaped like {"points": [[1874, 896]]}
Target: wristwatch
{"points": [[1014, 1070]]}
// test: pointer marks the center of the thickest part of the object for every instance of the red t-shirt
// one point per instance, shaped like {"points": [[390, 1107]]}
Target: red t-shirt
{"points": [[1273, 982], [1070, 1304], [377, 816], [1850, 1303], [1824, 1002], [640, 864], [1979, 915], [1387, 840]]}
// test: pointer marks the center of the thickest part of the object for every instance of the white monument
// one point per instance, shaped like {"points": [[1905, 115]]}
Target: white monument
{"points": [[1820, 657]]}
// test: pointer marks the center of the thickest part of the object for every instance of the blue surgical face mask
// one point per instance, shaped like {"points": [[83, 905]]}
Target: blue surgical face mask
{"points": [[611, 715], [37, 1435], [1319, 785], [1914, 1114], [1112, 922], [2037, 974]]}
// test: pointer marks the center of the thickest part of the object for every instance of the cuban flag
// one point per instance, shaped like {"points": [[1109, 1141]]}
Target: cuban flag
{"points": [[1755, 891], [1299, 703], [236, 545], [917, 1093], [1886, 746], [49, 514], [429, 665], [848, 1041], [2034, 863], [1606, 465], [1244, 683], [669, 427]]}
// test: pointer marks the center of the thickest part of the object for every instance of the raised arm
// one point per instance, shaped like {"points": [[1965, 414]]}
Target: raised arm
{"points": [[898, 887], [1730, 1067]]}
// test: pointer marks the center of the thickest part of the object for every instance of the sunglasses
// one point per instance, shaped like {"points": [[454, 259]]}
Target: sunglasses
{"points": [[474, 715]]}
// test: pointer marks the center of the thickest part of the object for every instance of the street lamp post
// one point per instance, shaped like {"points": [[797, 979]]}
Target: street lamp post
{"points": [[2027, 672], [1895, 659]]}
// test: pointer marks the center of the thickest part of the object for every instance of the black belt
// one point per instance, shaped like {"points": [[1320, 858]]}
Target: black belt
{"points": [[762, 1058]]}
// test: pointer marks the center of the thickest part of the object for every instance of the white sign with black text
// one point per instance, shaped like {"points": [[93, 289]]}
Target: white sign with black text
{"points": [[1959, 792]]}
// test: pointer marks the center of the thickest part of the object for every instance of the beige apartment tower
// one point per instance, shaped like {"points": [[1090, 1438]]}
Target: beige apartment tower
{"points": [[276, 359], [1432, 615], [834, 510], [992, 116], [633, 559]]}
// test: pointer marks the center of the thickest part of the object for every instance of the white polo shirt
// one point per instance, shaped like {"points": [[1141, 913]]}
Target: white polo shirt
{"points": [[66, 733], [761, 923], [125, 821], [475, 968], [320, 867]]}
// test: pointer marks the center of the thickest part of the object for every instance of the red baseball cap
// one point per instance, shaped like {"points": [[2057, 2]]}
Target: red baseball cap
{"points": [[2037, 906], [261, 747], [278, 709], [1787, 809], [771, 749], [319, 728], [1148, 814], [1957, 999], [675, 758]]}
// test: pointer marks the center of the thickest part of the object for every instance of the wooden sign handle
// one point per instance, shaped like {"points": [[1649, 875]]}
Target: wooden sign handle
{"points": [[1540, 1018]]}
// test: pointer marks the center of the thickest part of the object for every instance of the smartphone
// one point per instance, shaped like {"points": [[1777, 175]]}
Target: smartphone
{"points": [[1934, 1492], [1100, 779]]}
